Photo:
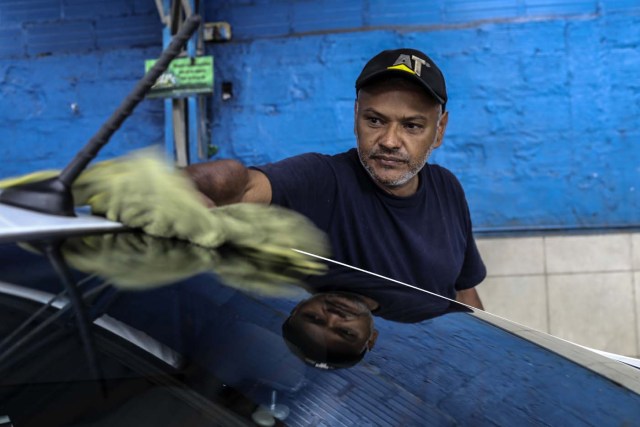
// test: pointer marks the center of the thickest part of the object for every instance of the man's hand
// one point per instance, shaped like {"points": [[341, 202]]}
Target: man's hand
{"points": [[224, 182], [470, 297]]}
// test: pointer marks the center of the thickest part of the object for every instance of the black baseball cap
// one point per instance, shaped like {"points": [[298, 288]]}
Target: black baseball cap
{"points": [[409, 63]]}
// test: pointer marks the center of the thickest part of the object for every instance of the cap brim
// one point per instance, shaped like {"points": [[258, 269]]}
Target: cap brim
{"points": [[398, 73]]}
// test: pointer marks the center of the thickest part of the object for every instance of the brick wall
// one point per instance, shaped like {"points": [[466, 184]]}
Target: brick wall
{"points": [[543, 128], [59, 53]]}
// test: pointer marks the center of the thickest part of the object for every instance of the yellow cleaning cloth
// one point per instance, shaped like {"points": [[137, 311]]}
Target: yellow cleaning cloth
{"points": [[142, 191]]}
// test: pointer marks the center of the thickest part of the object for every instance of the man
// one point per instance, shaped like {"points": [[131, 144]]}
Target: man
{"points": [[383, 206], [334, 328]]}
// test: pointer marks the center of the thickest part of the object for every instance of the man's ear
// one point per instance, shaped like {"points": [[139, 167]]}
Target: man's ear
{"points": [[295, 309], [442, 126], [371, 342], [355, 117]]}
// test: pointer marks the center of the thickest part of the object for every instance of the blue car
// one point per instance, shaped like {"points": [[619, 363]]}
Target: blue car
{"points": [[101, 325]]}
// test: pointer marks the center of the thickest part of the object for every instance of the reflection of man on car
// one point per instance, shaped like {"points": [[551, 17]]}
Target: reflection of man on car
{"points": [[334, 328], [331, 329]]}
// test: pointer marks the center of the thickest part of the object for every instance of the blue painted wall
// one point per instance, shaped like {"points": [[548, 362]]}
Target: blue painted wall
{"points": [[544, 94], [544, 128], [55, 53]]}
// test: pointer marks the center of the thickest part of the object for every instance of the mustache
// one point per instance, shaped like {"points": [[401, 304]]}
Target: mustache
{"points": [[389, 154]]}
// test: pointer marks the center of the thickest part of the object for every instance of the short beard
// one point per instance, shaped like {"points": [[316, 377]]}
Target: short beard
{"points": [[414, 169]]}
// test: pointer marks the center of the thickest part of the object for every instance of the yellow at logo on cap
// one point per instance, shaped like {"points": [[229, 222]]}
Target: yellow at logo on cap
{"points": [[401, 67]]}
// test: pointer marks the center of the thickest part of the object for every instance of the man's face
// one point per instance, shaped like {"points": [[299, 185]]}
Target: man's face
{"points": [[397, 127], [340, 321]]}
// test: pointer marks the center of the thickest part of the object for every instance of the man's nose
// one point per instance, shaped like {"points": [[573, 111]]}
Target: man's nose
{"points": [[335, 320], [391, 138]]}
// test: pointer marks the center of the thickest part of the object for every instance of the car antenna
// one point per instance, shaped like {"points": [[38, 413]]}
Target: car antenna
{"points": [[53, 196]]}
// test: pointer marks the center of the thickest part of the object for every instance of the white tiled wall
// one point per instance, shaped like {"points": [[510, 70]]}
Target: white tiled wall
{"points": [[635, 251], [583, 288]]}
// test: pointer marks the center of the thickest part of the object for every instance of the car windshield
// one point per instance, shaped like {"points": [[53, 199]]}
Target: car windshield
{"points": [[103, 329]]}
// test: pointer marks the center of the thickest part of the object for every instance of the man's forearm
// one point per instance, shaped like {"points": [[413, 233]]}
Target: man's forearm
{"points": [[470, 297], [222, 181]]}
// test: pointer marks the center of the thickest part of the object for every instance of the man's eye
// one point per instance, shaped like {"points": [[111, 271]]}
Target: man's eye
{"points": [[413, 126], [374, 121], [347, 332], [312, 318]]}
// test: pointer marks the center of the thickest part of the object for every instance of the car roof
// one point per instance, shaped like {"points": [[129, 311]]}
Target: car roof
{"points": [[18, 223], [457, 365]]}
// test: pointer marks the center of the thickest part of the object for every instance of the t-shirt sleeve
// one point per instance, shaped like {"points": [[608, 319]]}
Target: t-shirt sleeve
{"points": [[305, 183], [473, 270]]}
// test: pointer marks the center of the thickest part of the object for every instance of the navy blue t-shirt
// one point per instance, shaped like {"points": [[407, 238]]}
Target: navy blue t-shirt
{"points": [[424, 239]]}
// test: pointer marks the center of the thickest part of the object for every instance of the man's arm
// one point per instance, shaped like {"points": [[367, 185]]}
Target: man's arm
{"points": [[228, 181], [470, 297]]}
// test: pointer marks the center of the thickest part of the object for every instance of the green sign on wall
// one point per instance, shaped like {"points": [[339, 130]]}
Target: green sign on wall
{"points": [[184, 77]]}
